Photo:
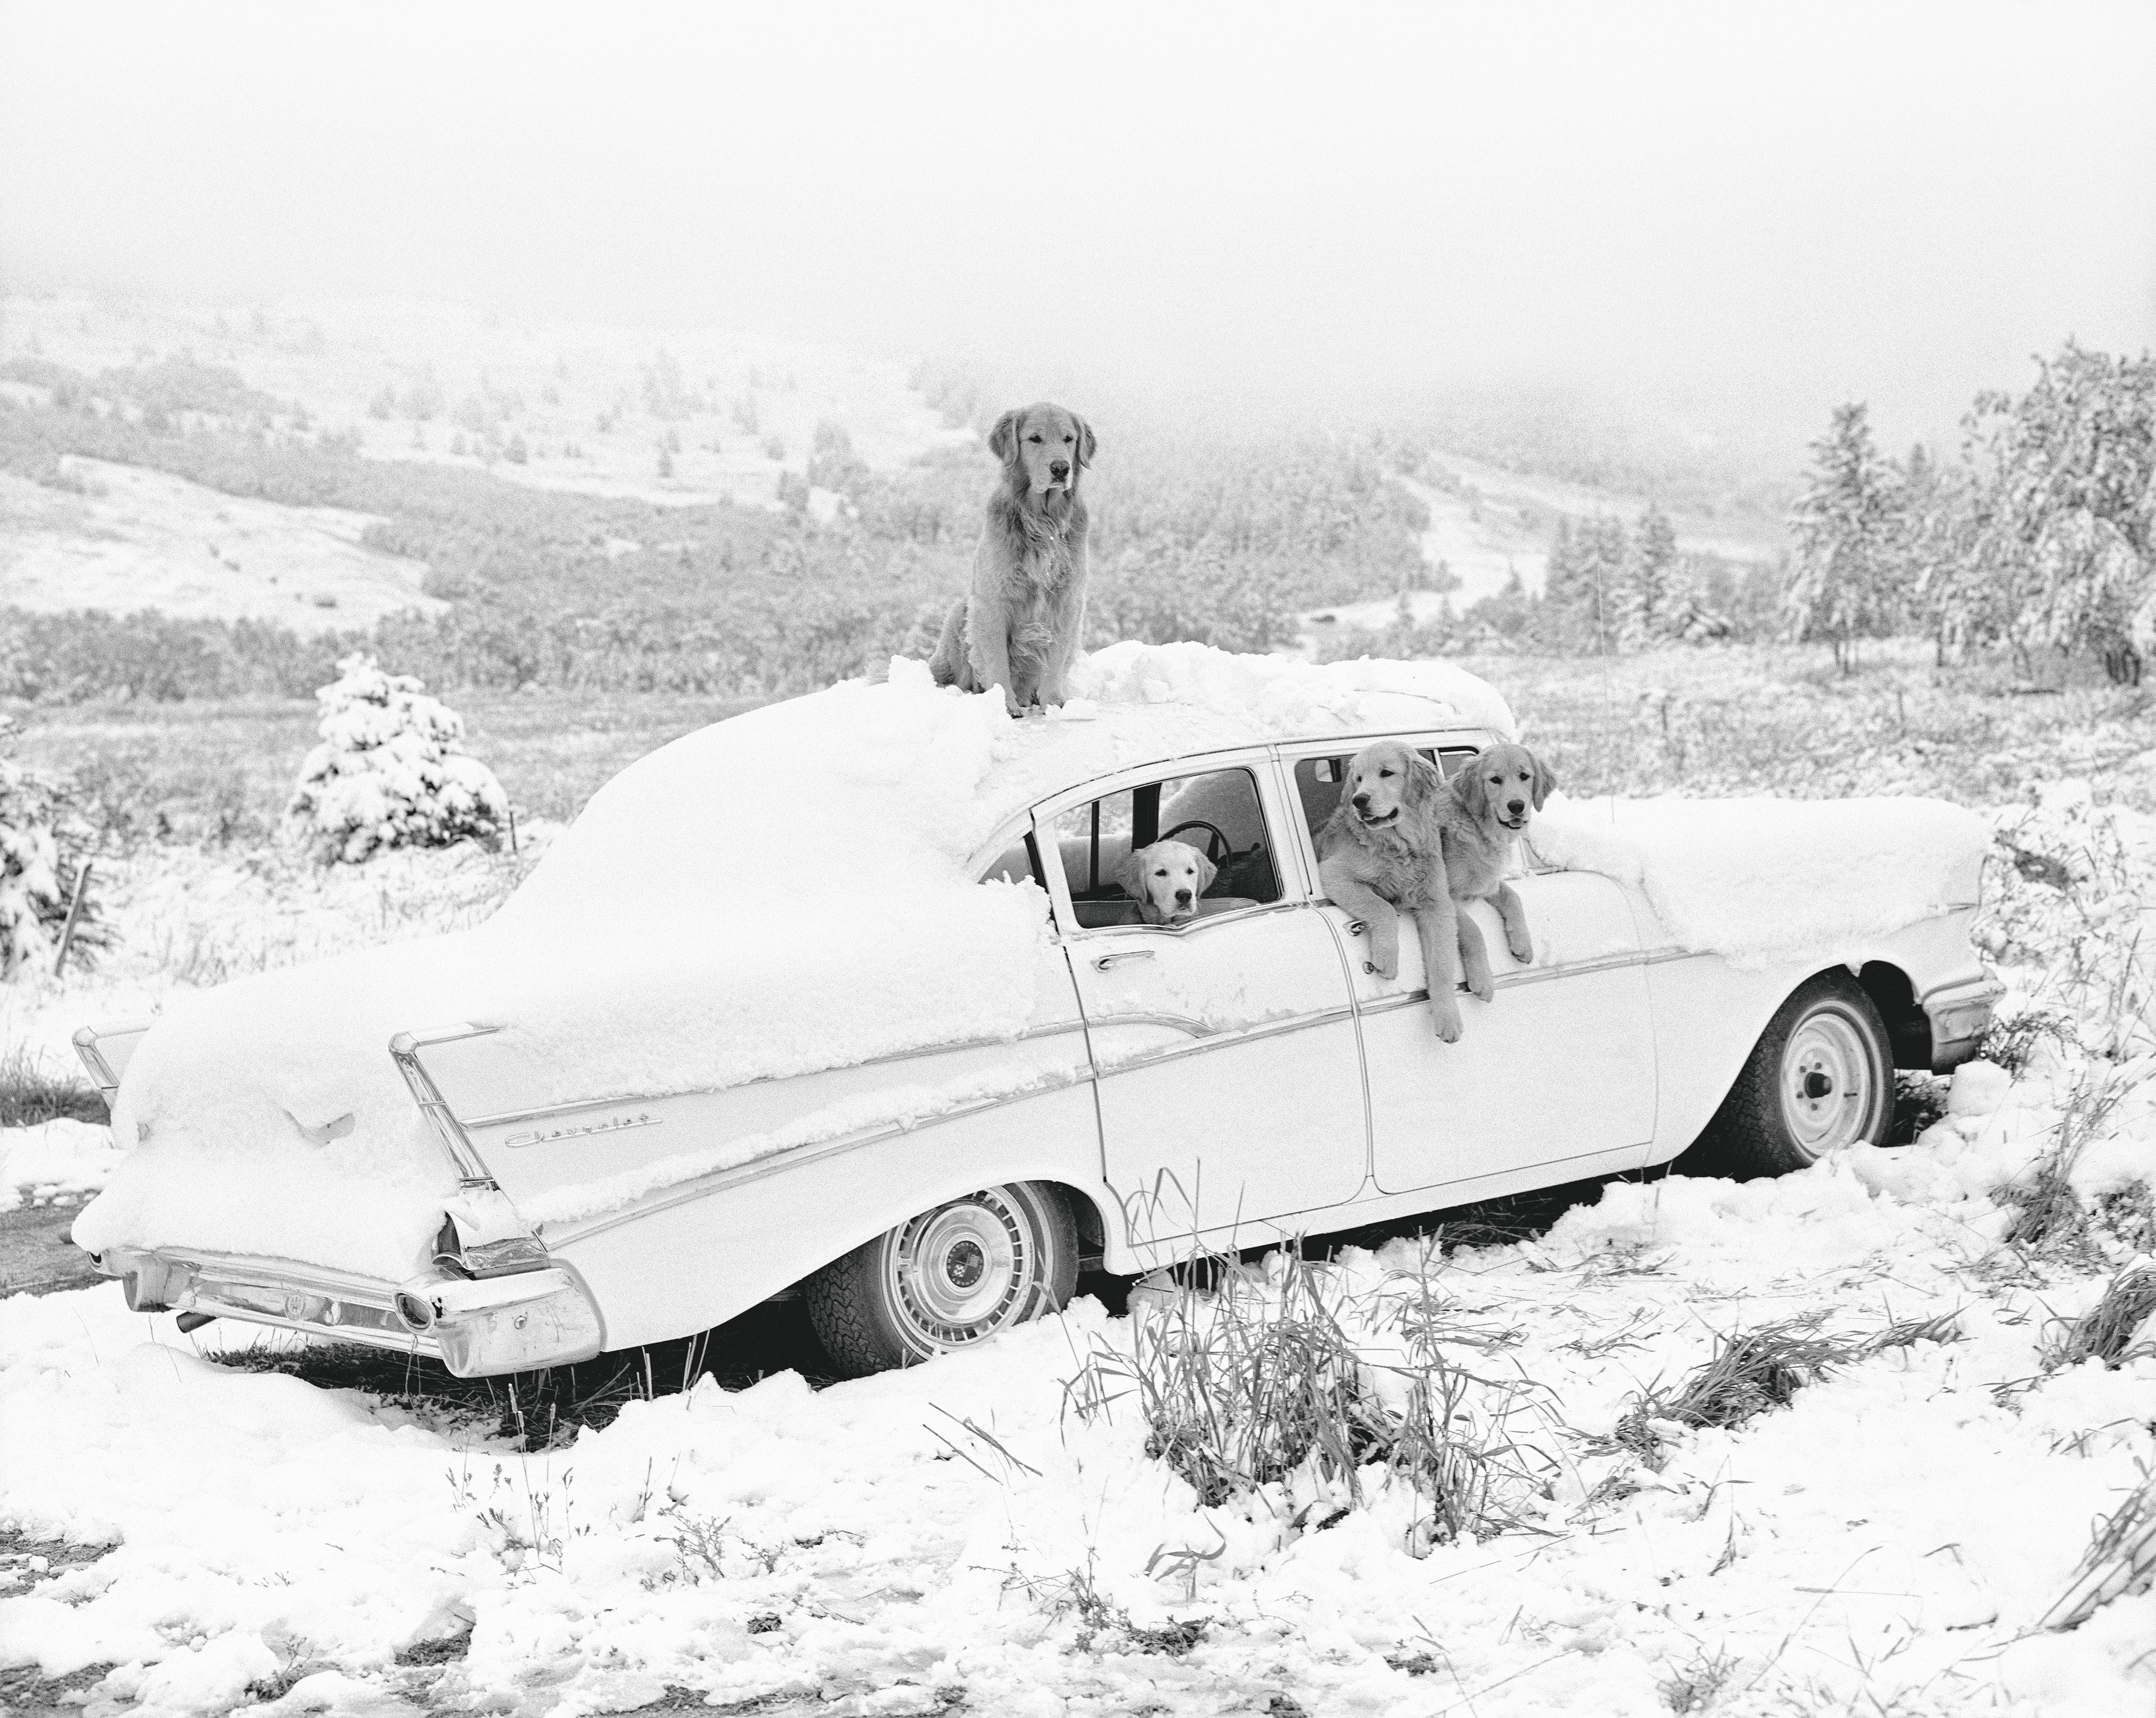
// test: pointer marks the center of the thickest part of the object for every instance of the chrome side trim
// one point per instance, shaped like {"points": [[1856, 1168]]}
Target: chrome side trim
{"points": [[720, 1181], [1529, 975], [506, 1118], [1203, 1040]]}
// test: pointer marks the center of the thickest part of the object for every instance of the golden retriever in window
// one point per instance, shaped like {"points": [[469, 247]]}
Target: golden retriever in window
{"points": [[1383, 849], [1017, 626], [1486, 807], [1166, 879]]}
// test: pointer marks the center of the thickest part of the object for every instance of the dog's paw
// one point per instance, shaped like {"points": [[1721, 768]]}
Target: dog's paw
{"points": [[1482, 986], [1523, 951], [1445, 1018]]}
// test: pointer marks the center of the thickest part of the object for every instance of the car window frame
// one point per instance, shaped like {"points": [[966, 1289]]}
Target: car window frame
{"points": [[1290, 752], [1257, 760]]}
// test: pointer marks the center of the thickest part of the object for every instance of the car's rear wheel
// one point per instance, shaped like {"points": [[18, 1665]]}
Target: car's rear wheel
{"points": [[948, 1278], [1820, 1078]]}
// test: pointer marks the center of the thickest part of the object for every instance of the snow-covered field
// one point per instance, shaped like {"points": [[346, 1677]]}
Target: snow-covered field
{"points": [[125, 538], [989, 1534]]}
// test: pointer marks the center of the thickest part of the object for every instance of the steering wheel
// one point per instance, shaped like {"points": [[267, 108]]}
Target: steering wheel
{"points": [[1213, 833]]}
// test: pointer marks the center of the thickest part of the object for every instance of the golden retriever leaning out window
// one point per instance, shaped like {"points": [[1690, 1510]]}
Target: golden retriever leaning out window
{"points": [[1487, 808], [1168, 879], [1382, 849], [1018, 625]]}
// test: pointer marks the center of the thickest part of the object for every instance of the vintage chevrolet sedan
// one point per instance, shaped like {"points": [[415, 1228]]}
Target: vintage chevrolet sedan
{"points": [[843, 998]]}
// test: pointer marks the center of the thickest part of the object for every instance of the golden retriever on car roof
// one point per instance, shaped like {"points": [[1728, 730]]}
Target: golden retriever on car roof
{"points": [[1168, 879], [1383, 849], [1019, 624], [1486, 807]]}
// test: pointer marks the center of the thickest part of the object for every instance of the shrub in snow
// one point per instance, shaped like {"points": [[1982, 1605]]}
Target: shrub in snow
{"points": [[43, 843], [391, 771]]}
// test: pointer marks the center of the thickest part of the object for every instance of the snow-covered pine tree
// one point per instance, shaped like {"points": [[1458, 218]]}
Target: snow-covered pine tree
{"points": [[2064, 531], [1648, 596], [1848, 529], [44, 845], [392, 770]]}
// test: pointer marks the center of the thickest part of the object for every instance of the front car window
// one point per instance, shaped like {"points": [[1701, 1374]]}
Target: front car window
{"points": [[1218, 814]]}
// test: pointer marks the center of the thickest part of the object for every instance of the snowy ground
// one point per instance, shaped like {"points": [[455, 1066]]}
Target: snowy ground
{"points": [[179, 1536]]}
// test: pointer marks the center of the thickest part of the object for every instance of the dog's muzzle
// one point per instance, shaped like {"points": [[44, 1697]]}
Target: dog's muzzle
{"points": [[1379, 823], [1515, 824]]}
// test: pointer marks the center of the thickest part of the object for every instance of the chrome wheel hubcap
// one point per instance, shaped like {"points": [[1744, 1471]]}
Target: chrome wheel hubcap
{"points": [[1828, 1082], [960, 1271]]}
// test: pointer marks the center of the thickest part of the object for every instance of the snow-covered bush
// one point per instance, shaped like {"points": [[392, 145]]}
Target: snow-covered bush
{"points": [[2064, 895], [391, 771], [43, 843]]}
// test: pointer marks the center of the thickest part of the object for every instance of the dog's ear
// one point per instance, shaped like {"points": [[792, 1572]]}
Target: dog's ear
{"points": [[1003, 440], [1545, 781], [1207, 871], [1424, 781], [1085, 442], [1471, 790], [1129, 874]]}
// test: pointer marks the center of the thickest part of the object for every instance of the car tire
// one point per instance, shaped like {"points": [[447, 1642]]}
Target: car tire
{"points": [[947, 1278], [1820, 1078]]}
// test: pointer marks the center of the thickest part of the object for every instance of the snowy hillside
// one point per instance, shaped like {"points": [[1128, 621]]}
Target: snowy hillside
{"points": [[588, 408], [123, 537]]}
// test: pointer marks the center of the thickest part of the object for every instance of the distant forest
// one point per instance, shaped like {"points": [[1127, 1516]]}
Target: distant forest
{"points": [[1217, 541]]}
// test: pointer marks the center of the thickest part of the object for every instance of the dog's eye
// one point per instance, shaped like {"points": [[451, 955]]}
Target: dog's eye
{"points": [[1032, 437]]}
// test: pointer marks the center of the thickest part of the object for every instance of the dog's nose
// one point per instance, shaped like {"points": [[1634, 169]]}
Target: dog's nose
{"points": [[1361, 801], [1059, 467], [1183, 897], [1515, 806]]}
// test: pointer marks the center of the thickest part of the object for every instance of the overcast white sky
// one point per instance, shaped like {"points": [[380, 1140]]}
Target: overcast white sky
{"points": [[1793, 204]]}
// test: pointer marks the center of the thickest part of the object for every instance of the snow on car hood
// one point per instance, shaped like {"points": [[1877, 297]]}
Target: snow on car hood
{"points": [[781, 892], [1760, 881]]}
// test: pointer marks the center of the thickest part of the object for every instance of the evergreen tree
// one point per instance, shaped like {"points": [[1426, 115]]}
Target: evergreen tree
{"points": [[392, 770], [1650, 594], [2063, 537], [1849, 531]]}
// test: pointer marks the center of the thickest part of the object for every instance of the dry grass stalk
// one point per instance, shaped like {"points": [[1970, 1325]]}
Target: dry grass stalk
{"points": [[2047, 1211], [1748, 1372], [2120, 1560], [2107, 1330], [1243, 1387]]}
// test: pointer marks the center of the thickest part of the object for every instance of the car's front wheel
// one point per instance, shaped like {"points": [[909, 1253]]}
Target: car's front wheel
{"points": [[1821, 1078], [947, 1278]]}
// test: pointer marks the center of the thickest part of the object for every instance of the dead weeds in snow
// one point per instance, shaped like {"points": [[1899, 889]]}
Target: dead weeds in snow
{"points": [[1694, 1685], [2107, 1330], [1257, 1380], [33, 1092], [1749, 1372], [2048, 1212], [2120, 1560]]}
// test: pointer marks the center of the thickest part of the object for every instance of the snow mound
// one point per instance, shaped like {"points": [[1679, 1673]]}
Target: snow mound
{"points": [[782, 892], [1760, 881], [1286, 696]]}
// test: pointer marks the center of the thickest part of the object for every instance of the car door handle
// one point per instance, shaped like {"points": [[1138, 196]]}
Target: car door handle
{"points": [[1102, 962]]}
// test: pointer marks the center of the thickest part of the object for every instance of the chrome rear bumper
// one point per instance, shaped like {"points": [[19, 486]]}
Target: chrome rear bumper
{"points": [[475, 1328], [1960, 1015]]}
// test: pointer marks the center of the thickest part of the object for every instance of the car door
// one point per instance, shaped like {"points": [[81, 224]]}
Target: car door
{"points": [[1559, 1066], [1224, 1053]]}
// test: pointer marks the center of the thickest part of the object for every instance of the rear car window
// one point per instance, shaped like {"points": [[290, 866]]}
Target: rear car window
{"points": [[1219, 814], [1317, 780]]}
